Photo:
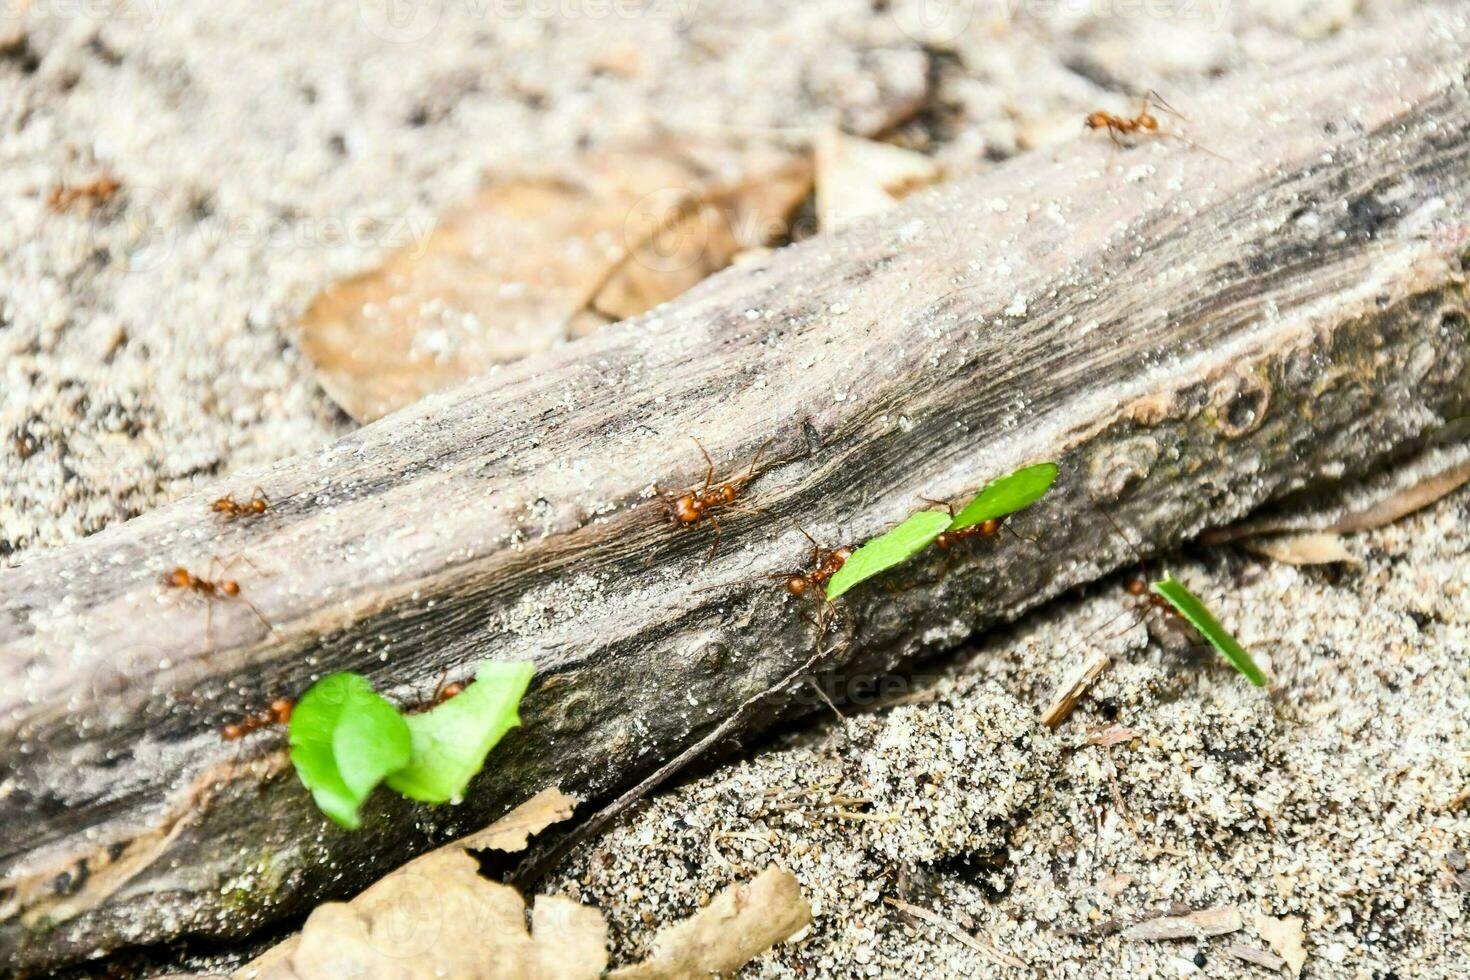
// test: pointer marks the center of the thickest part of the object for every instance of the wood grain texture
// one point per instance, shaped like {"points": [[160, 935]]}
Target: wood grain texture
{"points": [[1189, 337]]}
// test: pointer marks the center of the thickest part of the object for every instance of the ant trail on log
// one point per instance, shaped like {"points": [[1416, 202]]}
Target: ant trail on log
{"points": [[690, 508], [212, 589], [233, 509], [1143, 124]]}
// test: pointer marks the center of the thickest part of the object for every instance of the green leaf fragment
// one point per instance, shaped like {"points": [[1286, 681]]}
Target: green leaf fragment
{"points": [[1007, 494], [887, 550], [1192, 609], [344, 739], [450, 741]]}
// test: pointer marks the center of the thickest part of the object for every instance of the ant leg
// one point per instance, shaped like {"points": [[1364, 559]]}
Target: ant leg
{"points": [[753, 463], [942, 503], [236, 559], [1142, 562], [1193, 145], [716, 542], [812, 680], [251, 606], [816, 548], [1017, 534], [1156, 99], [709, 473]]}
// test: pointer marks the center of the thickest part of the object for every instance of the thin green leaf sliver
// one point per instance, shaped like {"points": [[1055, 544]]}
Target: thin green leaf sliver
{"points": [[345, 738], [1192, 609], [887, 550], [450, 741], [1007, 494]]}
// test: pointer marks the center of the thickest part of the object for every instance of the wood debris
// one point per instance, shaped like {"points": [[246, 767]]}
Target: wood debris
{"points": [[1310, 548], [1259, 957], [1111, 736], [1072, 690], [934, 919], [1204, 922], [97, 191]]}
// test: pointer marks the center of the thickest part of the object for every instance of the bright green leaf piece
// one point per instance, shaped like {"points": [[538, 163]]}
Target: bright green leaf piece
{"points": [[1007, 494], [450, 741], [887, 550], [1193, 610], [344, 739]]}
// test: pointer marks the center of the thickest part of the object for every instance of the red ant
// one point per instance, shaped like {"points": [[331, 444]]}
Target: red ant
{"points": [[987, 528], [1145, 123], [825, 564], [1138, 587], [277, 713], [98, 190], [688, 509], [232, 508], [212, 590], [442, 692]]}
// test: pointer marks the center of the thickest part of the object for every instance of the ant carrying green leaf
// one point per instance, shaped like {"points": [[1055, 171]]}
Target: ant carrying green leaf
{"points": [[981, 516]]}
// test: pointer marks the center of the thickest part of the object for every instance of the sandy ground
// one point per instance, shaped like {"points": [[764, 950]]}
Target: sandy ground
{"points": [[1339, 798], [146, 346]]}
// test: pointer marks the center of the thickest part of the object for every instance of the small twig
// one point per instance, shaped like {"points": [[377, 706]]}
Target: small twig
{"points": [[1066, 699], [935, 919]]}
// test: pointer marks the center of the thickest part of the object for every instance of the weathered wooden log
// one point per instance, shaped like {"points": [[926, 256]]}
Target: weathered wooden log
{"points": [[1188, 336]]}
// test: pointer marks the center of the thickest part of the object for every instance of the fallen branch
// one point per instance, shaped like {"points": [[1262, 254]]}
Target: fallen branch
{"points": [[1188, 337]]}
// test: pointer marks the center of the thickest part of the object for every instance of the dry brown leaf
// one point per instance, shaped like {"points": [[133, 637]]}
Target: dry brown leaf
{"points": [[511, 831], [1205, 922], [1313, 548], [438, 918], [858, 177], [742, 922], [533, 261], [405, 912], [1379, 501], [1405, 501], [443, 921], [1285, 936]]}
